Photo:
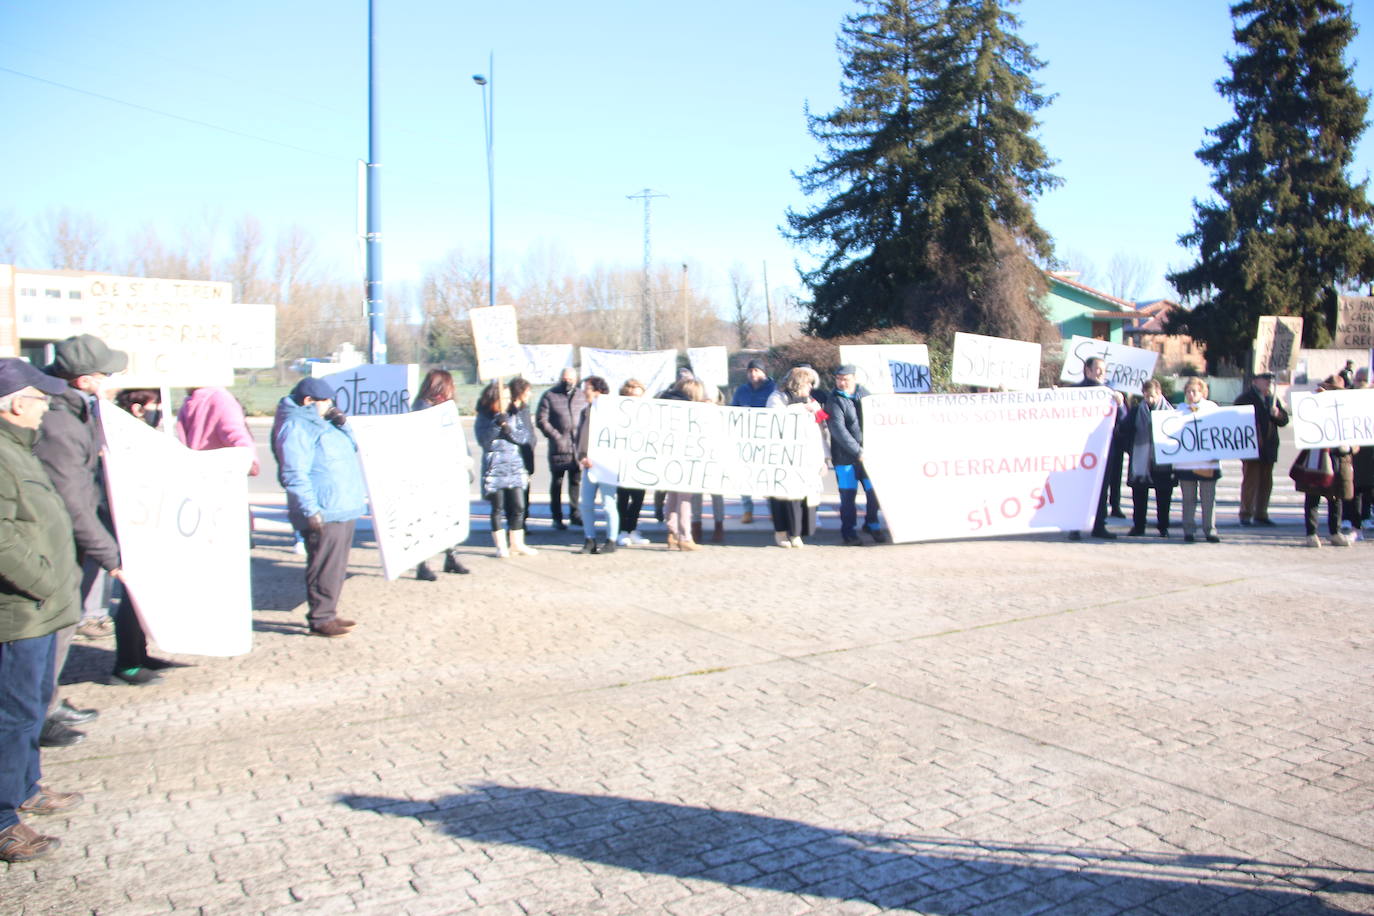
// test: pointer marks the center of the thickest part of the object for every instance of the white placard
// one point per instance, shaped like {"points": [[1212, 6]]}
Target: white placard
{"points": [[414, 515], [178, 333], [694, 447], [544, 363], [711, 365], [985, 465], [889, 368], [182, 522], [497, 341], [1277, 341], [1128, 368], [1183, 437], [370, 389], [253, 336], [1326, 419], [656, 369], [1355, 324], [995, 362]]}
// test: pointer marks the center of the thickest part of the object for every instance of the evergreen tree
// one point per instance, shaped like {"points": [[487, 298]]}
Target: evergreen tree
{"points": [[1287, 228], [930, 165]]}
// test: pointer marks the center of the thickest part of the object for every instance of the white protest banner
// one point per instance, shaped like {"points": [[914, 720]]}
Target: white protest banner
{"points": [[370, 389], [414, 515], [178, 333], [497, 341], [985, 465], [995, 362], [1128, 368], [657, 369], [1182, 437], [544, 363], [1277, 340], [711, 365], [1355, 324], [181, 517], [889, 368], [693, 447], [1326, 419]]}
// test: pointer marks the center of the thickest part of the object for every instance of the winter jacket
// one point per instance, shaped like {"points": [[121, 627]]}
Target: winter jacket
{"points": [[846, 425], [68, 445], [1266, 426], [747, 395], [319, 466], [38, 572], [557, 417], [211, 418], [501, 435], [1140, 446]]}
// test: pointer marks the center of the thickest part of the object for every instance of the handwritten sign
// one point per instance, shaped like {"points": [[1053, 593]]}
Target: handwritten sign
{"points": [[995, 362], [371, 389], [178, 333], [1277, 340], [710, 364], [179, 516], [1326, 419], [414, 515], [497, 342], [889, 368], [657, 369], [544, 363], [693, 447], [1182, 437], [1355, 324], [1128, 368], [986, 465]]}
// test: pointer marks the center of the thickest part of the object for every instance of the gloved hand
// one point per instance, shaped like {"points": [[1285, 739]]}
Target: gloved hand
{"points": [[336, 416], [315, 523]]}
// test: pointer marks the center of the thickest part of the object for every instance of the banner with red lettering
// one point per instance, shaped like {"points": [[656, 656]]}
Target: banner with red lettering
{"points": [[986, 465]]}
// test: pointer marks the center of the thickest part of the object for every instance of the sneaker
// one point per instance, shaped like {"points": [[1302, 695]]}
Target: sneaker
{"points": [[46, 801], [624, 540], [101, 627], [638, 539], [1313, 541], [781, 539], [797, 543], [1339, 540], [138, 677], [20, 843]]}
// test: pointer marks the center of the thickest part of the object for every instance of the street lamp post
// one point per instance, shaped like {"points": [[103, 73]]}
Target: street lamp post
{"points": [[488, 123]]}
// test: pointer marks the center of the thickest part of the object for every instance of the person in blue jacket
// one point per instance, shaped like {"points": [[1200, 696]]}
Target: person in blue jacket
{"points": [[755, 393], [325, 495]]}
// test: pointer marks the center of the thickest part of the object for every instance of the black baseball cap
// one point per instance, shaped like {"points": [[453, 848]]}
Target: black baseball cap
{"points": [[17, 374]]}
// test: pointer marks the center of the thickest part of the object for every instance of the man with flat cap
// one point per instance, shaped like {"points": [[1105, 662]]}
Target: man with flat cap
{"points": [[1257, 475], [325, 495], [70, 451], [38, 597]]}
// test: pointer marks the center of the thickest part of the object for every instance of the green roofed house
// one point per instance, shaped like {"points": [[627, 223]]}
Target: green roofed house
{"points": [[1075, 308]]}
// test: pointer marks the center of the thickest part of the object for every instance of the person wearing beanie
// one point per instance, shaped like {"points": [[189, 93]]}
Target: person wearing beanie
{"points": [[325, 495]]}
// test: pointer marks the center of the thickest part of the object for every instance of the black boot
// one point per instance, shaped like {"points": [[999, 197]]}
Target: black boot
{"points": [[452, 565], [424, 573], [588, 546]]}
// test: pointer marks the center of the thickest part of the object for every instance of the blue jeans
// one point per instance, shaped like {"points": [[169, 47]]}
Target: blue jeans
{"points": [[587, 507], [848, 477], [26, 669]]}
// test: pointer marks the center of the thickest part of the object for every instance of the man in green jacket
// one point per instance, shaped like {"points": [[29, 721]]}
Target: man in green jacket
{"points": [[38, 597]]}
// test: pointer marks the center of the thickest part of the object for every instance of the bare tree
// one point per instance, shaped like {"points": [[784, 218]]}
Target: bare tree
{"points": [[745, 313], [74, 241], [245, 261], [11, 238], [1074, 260], [1127, 275]]}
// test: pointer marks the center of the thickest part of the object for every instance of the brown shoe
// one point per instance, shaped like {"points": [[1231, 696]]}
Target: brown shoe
{"points": [[345, 623], [21, 843], [331, 629], [49, 802], [687, 544]]}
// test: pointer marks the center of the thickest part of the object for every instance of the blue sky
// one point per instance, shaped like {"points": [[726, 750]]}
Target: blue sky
{"points": [[593, 102]]}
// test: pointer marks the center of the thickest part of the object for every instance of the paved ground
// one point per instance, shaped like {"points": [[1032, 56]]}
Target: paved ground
{"points": [[1010, 726]]}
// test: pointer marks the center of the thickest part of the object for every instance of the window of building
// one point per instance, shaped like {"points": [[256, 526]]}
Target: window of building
{"points": [[27, 291], [53, 293], [74, 294]]}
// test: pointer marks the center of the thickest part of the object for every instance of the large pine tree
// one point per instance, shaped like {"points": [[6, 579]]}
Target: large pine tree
{"points": [[930, 165], [1287, 228]]}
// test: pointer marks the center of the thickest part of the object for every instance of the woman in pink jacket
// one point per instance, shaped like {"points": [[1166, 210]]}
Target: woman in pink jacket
{"points": [[213, 418]]}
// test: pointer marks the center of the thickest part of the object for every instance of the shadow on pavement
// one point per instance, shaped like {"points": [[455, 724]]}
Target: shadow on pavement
{"points": [[936, 875]]}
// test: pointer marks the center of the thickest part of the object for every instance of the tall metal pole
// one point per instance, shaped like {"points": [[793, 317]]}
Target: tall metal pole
{"points": [[488, 84], [376, 307], [648, 334], [768, 304]]}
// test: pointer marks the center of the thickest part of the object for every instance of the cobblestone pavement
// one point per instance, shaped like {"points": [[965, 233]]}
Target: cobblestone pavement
{"points": [[1013, 726]]}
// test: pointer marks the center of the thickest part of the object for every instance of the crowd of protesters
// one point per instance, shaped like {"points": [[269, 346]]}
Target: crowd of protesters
{"points": [[60, 565]]}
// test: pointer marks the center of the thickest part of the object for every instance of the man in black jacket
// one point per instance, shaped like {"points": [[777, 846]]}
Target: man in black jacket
{"points": [[1094, 375], [557, 418], [1257, 475]]}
